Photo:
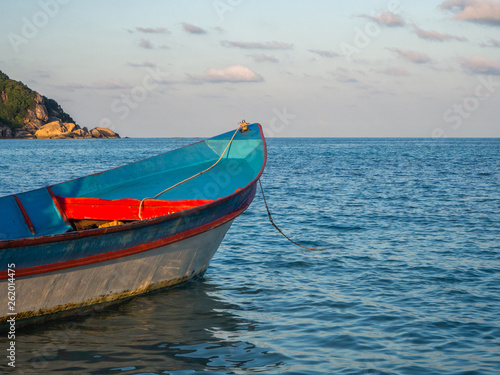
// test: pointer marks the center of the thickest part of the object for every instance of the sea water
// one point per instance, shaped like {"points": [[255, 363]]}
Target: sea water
{"points": [[409, 282]]}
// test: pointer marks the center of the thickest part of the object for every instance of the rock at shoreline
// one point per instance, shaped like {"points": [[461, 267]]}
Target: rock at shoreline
{"points": [[6, 132], [102, 132], [23, 134], [37, 116], [61, 130], [55, 129]]}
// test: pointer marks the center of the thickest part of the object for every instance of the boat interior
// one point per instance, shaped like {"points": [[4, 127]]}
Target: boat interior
{"points": [[41, 212], [114, 197]]}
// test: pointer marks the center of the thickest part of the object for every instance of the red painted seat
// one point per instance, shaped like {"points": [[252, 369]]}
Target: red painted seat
{"points": [[123, 209]]}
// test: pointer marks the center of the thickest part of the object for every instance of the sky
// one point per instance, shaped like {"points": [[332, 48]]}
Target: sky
{"points": [[195, 68]]}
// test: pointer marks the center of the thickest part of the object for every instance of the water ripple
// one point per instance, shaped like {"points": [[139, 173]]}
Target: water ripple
{"points": [[409, 284]]}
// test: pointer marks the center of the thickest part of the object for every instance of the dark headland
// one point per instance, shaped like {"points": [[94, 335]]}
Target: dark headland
{"points": [[25, 113]]}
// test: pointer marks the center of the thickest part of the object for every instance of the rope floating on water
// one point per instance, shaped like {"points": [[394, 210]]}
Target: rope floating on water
{"points": [[278, 229]]}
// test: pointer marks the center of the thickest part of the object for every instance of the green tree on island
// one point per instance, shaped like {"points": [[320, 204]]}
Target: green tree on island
{"points": [[16, 98]]}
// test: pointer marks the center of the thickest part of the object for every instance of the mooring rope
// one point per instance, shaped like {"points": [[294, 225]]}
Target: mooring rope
{"points": [[278, 229], [242, 124]]}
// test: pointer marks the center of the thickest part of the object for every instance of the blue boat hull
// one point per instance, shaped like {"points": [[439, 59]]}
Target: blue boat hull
{"points": [[64, 268]]}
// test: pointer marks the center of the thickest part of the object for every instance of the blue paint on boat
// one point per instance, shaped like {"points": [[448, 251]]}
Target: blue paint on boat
{"points": [[146, 178], [231, 184], [43, 213]]}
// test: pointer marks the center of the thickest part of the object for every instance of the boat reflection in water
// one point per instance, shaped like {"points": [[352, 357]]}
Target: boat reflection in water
{"points": [[188, 328]]}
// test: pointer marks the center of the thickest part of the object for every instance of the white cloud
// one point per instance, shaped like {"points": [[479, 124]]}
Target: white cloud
{"points": [[412, 56], [344, 75], [233, 74], [192, 29], [110, 85], [264, 58], [72, 86], [481, 65], [101, 85], [144, 64], [387, 19], [480, 11], [323, 53], [152, 30], [257, 45], [394, 71], [144, 43], [436, 36], [491, 43]]}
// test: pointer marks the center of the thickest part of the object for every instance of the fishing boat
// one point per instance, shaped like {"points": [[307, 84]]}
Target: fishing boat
{"points": [[127, 231]]}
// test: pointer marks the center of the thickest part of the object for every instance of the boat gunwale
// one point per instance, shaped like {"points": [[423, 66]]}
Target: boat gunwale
{"points": [[60, 237]]}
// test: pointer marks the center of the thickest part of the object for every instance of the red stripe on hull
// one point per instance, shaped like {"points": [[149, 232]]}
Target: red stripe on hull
{"points": [[10, 244], [29, 271]]}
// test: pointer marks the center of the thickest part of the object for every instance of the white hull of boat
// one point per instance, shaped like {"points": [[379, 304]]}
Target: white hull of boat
{"points": [[83, 286]]}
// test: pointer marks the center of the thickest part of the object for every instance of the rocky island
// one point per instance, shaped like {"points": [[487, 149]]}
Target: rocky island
{"points": [[24, 113]]}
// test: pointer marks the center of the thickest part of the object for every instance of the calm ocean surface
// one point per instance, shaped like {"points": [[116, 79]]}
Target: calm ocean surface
{"points": [[409, 284]]}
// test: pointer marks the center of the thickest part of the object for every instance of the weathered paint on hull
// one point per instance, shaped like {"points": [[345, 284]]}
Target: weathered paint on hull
{"points": [[114, 279]]}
